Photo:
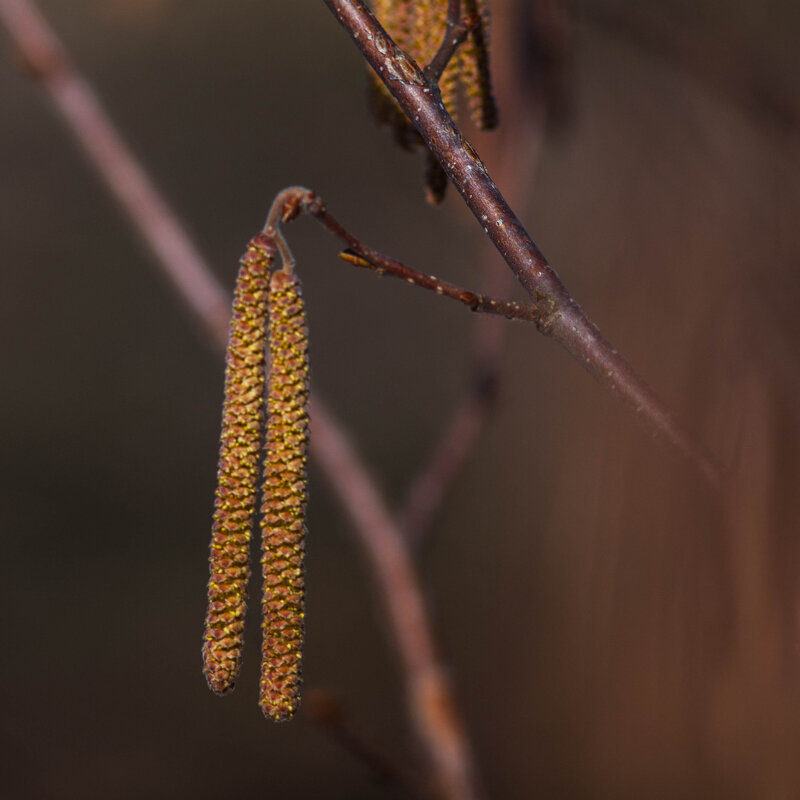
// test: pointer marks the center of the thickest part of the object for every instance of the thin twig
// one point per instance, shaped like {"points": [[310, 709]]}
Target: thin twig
{"points": [[296, 199], [383, 265], [563, 319], [323, 709], [455, 33], [429, 695]]}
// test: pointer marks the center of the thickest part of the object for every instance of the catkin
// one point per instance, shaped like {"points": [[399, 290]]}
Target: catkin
{"points": [[237, 475], [475, 76], [284, 499], [418, 28]]}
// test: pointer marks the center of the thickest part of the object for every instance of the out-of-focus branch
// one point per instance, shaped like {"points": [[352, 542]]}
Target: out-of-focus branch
{"points": [[323, 709], [427, 491], [429, 694], [431, 699], [152, 218], [564, 320]]}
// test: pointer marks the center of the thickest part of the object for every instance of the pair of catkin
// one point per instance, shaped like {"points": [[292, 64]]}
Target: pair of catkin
{"points": [[277, 298]]}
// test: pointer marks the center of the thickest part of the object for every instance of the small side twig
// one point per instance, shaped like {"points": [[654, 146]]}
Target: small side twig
{"points": [[455, 33], [323, 710], [383, 265], [295, 200]]}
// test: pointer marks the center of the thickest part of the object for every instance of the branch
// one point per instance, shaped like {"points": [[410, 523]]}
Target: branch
{"points": [[455, 32], [426, 494], [150, 215], [563, 319], [296, 199], [324, 710], [429, 694]]}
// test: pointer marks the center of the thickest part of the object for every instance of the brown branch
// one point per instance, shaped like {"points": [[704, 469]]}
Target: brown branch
{"points": [[296, 199], [429, 695], [563, 319]]}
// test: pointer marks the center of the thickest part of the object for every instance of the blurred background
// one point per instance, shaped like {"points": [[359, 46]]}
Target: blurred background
{"points": [[613, 628]]}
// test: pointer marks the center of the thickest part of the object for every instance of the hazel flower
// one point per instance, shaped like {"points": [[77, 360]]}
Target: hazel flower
{"points": [[284, 500], [237, 474]]}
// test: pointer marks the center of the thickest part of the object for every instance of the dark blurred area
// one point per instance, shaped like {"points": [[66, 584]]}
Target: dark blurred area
{"points": [[614, 628]]}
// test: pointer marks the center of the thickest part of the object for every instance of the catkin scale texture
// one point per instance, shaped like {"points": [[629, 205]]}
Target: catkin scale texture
{"points": [[237, 474], [284, 500], [475, 75]]}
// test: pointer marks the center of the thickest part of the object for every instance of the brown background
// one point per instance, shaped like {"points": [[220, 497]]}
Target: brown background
{"points": [[612, 629]]}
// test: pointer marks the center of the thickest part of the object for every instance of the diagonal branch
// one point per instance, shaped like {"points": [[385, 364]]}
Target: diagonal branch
{"points": [[430, 696], [179, 258], [322, 708], [564, 320]]}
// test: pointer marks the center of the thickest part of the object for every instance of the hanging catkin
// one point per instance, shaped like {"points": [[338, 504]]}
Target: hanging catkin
{"points": [[475, 73], [237, 474], [284, 499]]}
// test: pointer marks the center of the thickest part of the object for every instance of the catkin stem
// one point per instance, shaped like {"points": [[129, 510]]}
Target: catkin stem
{"points": [[284, 500]]}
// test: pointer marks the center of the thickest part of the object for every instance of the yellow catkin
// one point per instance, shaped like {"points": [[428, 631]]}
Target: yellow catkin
{"points": [[237, 476], [284, 500], [448, 85], [435, 180], [475, 76]]}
